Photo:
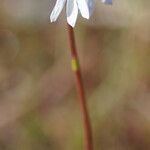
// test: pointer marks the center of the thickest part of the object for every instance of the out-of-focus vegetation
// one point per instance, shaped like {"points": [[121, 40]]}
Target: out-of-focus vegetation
{"points": [[38, 106]]}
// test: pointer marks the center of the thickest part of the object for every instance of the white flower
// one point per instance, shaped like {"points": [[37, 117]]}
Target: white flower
{"points": [[72, 7]]}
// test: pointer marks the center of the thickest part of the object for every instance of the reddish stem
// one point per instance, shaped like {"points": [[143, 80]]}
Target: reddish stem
{"points": [[80, 91]]}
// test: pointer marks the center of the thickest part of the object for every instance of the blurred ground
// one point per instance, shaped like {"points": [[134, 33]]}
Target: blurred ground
{"points": [[38, 107]]}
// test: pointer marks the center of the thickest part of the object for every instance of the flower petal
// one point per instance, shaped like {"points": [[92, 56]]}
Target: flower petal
{"points": [[107, 1], [72, 12], [84, 9], [57, 10], [90, 6]]}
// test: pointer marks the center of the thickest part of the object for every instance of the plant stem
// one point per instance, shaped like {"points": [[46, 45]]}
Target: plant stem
{"points": [[80, 90]]}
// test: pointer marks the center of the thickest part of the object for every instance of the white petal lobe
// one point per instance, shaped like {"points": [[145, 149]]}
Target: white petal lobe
{"points": [[90, 6], [57, 10], [72, 12], [107, 1], [84, 9]]}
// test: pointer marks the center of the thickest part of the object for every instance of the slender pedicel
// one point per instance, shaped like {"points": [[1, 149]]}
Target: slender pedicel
{"points": [[80, 90]]}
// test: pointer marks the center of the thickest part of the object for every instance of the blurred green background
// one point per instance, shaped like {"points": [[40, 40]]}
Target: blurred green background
{"points": [[38, 106]]}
